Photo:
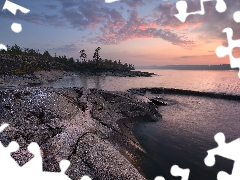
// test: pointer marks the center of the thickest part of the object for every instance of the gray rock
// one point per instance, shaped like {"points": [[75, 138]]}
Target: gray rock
{"points": [[91, 128]]}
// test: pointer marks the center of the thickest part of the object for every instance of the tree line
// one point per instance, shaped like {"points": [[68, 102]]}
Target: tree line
{"points": [[81, 64]]}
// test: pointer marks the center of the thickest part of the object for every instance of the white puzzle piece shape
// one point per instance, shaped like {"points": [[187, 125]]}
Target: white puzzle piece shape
{"points": [[177, 172], [183, 14], [9, 169], [222, 51], [12, 7], [227, 150]]}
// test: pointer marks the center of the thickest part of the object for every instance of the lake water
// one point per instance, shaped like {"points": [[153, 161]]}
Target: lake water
{"points": [[214, 81], [189, 124], [185, 134]]}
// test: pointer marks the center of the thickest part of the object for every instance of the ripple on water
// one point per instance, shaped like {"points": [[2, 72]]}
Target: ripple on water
{"points": [[185, 133]]}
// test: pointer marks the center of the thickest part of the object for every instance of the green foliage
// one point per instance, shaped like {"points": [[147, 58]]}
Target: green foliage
{"points": [[46, 55], [25, 60]]}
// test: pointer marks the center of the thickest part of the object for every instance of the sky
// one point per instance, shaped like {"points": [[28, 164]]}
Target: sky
{"points": [[140, 32]]}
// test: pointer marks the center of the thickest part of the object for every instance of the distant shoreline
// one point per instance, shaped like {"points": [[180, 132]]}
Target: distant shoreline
{"points": [[190, 67]]}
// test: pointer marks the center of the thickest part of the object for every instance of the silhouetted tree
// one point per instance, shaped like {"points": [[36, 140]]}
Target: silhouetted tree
{"points": [[96, 55], [46, 61], [47, 55], [83, 54], [71, 60]]}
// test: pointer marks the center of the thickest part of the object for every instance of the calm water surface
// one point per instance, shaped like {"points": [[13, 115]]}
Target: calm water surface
{"points": [[214, 81], [184, 135], [189, 124]]}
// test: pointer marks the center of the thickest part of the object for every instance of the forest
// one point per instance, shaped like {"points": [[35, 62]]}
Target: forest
{"points": [[17, 60]]}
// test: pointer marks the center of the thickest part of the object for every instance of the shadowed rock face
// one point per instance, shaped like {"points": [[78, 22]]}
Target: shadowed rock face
{"points": [[87, 127]]}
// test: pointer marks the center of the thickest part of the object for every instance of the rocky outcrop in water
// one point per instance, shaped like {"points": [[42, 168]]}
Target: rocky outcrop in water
{"points": [[161, 90], [91, 128]]}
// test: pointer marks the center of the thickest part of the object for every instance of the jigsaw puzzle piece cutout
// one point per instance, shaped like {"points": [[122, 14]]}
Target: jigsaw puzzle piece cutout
{"points": [[159, 178], [183, 14], [16, 27], [221, 6], [182, 11], [225, 176], [2, 46], [227, 150], [177, 171], [85, 178], [236, 16], [3, 126], [64, 164], [222, 51], [33, 168], [9, 164], [12, 7], [35, 162]]}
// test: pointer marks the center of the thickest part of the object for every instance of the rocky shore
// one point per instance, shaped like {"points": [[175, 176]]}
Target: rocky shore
{"points": [[122, 74], [40, 77], [36, 78], [91, 128], [22, 71]]}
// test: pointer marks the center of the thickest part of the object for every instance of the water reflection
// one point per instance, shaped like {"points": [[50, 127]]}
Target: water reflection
{"points": [[213, 81]]}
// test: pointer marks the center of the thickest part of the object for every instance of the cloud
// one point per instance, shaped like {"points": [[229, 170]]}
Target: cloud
{"points": [[212, 22], [133, 3], [51, 6], [197, 56], [137, 27], [48, 19], [114, 28], [115, 24], [89, 14], [69, 48]]}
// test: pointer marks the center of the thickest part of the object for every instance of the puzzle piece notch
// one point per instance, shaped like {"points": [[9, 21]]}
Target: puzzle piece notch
{"points": [[227, 150], [159, 178], [12, 7], [2, 46], [3, 126], [85, 178], [7, 163], [236, 16], [222, 51], [17, 28], [177, 171], [183, 14]]}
